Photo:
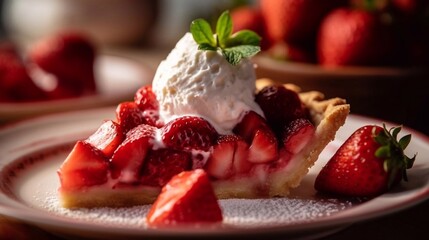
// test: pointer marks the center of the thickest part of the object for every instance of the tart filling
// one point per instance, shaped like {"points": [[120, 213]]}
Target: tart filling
{"points": [[118, 167]]}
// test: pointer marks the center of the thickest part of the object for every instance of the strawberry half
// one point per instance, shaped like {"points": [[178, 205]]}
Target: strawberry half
{"points": [[189, 133], [145, 98], [262, 140], [129, 115], [107, 137], [128, 158], [264, 147], [248, 126], [369, 163], [229, 156], [188, 198], [85, 166], [297, 134], [160, 165]]}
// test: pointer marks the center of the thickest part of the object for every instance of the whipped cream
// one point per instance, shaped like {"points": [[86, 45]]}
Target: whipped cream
{"points": [[202, 83]]}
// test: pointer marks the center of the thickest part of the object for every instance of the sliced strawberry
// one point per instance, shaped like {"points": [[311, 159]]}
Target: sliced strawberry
{"points": [[188, 198], [297, 134], [162, 164], [264, 147], [129, 115], [85, 166], [107, 137], [247, 127], [229, 156], [189, 133], [128, 158], [220, 162], [280, 105], [263, 142], [145, 98], [241, 162]]}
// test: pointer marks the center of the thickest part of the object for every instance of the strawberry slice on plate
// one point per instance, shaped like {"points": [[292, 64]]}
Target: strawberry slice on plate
{"points": [[188, 198]]}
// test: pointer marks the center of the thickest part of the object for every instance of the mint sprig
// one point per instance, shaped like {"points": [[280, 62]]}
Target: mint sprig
{"points": [[234, 47]]}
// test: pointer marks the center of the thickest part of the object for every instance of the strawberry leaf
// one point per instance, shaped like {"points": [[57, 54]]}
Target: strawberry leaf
{"points": [[392, 151], [404, 141]]}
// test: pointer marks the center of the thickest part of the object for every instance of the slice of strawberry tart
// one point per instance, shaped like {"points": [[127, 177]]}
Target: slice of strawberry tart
{"points": [[204, 110]]}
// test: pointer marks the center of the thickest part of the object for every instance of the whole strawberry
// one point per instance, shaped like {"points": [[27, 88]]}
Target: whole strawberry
{"points": [[295, 20], [369, 163], [357, 36]]}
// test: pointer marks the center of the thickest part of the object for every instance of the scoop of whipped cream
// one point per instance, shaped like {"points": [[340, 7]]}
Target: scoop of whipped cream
{"points": [[202, 83]]}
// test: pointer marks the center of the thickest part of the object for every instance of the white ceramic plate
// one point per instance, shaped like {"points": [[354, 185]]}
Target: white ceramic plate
{"points": [[117, 80], [31, 152]]}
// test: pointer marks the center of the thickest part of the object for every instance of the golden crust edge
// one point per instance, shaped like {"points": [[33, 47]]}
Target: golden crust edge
{"points": [[328, 115]]}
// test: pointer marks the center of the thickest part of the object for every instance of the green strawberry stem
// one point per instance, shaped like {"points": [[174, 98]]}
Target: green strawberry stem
{"points": [[392, 150], [234, 47]]}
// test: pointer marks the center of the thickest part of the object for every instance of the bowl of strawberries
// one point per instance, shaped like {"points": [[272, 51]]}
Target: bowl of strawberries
{"points": [[372, 53]]}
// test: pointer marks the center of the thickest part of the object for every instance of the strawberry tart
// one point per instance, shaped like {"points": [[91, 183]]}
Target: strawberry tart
{"points": [[205, 109]]}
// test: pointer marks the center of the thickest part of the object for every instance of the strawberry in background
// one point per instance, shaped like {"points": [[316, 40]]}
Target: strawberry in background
{"points": [[15, 83], [250, 18], [56, 67], [69, 57], [412, 17], [360, 35], [292, 26]]}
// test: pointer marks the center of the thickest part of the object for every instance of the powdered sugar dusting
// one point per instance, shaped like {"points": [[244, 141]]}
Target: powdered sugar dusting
{"points": [[236, 212], [257, 212], [36, 185]]}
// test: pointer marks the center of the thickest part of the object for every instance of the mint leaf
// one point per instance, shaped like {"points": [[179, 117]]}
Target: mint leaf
{"points": [[224, 28], [234, 54], [202, 32], [234, 47], [244, 37], [205, 46]]}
